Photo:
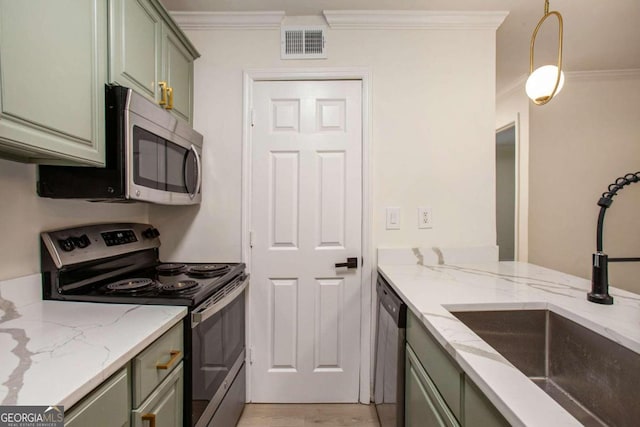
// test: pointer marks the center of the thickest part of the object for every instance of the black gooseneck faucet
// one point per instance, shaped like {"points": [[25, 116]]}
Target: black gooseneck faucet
{"points": [[600, 273]]}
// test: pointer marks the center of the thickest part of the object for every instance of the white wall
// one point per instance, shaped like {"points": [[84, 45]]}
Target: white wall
{"points": [[580, 143], [432, 135], [23, 215]]}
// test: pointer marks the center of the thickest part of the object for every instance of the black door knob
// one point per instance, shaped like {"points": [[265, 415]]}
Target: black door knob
{"points": [[351, 263]]}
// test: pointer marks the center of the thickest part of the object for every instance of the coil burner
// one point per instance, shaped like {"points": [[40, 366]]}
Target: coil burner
{"points": [[208, 270], [177, 287], [171, 269], [129, 286]]}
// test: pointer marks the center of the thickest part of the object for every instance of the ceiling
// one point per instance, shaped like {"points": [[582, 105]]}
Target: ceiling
{"points": [[598, 34]]}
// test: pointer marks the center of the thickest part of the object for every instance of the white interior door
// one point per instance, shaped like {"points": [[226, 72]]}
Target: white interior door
{"points": [[306, 216]]}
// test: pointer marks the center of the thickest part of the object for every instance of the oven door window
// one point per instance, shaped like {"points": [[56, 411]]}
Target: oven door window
{"points": [[217, 344]]}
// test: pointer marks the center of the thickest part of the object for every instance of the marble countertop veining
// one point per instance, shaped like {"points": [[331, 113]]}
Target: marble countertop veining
{"points": [[54, 352], [432, 288]]}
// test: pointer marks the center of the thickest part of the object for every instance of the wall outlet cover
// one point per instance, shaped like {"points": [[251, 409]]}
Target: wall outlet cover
{"points": [[425, 217]]}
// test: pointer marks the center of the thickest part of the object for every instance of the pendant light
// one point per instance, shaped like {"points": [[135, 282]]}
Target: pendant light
{"points": [[547, 81]]}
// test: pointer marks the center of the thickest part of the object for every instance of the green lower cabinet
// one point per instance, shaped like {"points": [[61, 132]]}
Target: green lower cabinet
{"points": [[478, 411], [423, 404], [163, 407], [437, 391], [107, 406]]}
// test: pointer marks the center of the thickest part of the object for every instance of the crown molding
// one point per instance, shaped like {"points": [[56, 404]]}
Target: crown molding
{"points": [[632, 73], [228, 20], [517, 84], [578, 76], [414, 19]]}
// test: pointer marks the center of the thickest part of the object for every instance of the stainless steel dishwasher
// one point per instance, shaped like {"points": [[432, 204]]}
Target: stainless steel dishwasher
{"points": [[388, 388]]}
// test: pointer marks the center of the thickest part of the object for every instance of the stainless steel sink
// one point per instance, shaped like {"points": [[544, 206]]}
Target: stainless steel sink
{"points": [[594, 378]]}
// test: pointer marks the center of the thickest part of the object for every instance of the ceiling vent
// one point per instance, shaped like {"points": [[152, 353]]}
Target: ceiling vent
{"points": [[302, 43]]}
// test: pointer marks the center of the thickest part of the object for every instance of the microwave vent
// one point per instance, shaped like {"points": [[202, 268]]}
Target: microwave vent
{"points": [[303, 43]]}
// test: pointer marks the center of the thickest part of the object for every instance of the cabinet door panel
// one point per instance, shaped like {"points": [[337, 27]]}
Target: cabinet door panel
{"points": [[52, 77], [478, 411], [179, 75], [164, 404], [423, 404], [136, 32], [107, 406], [443, 371]]}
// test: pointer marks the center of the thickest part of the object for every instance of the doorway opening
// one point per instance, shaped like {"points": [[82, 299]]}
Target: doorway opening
{"points": [[506, 192]]}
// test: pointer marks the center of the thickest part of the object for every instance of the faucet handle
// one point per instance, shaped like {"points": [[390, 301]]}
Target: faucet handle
{"points": [[600, 280]]}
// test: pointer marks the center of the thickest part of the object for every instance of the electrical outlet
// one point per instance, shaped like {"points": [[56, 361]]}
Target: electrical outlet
{"points": [[425, 218]]}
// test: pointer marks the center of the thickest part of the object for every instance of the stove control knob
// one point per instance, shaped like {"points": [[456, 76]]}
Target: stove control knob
{"points": [[150, 233], [82, 241], [67, 245]]}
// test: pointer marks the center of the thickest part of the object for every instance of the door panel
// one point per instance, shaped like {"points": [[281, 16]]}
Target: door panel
{"points": [[328, 322], [306, 217], [283, 327], [283, 227], [331, 208]]}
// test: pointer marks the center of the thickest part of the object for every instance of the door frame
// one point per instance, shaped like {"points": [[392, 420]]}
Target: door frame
{"points": [[368, 266]]}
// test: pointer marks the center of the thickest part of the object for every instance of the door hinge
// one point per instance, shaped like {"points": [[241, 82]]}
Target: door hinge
{"points": [[250, 355], [253, 117], [251, 239]]}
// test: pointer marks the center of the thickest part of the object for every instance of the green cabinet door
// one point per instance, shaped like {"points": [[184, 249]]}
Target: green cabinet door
{"points": [[424, 407], [135, 42], [178, 72], [107, 406], [478, 411], [53, 67], [163, 408], [147, 51]]}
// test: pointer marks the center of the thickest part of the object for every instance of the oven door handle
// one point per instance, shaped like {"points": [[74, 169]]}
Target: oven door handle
{"points": [[211, 307]]}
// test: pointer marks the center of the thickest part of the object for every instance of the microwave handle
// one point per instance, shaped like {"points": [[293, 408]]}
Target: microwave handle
{"points": [[199, 166]]}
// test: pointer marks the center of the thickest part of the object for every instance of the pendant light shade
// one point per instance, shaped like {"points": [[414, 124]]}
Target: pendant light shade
{"points": [[540, 84], [546, 81]]}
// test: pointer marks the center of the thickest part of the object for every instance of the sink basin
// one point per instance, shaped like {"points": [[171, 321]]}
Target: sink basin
{"points": [[592, 377]]}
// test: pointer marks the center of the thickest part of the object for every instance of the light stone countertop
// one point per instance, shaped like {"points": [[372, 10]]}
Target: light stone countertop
{"points": [[432, 286], [55, 352]]}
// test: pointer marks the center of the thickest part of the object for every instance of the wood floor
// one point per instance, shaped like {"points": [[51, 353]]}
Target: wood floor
{"points": [[305, 415]]}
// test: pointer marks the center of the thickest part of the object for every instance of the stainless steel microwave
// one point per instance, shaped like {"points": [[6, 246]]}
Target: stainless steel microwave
{"points": [[151, 156]]}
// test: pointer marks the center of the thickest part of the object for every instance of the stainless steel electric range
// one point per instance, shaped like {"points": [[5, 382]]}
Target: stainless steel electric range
{"points": [[119, 263]]}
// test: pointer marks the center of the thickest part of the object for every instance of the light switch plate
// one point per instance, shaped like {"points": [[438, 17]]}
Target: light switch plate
{"points": [[393, 218]]}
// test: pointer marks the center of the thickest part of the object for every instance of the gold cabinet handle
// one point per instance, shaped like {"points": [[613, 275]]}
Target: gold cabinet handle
{"points": [[175, 355], [151, 418], [170, 96], [163, 93]]}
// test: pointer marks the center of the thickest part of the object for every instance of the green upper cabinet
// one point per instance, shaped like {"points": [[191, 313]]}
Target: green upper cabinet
{"points": [[150, 54], [53, 67], [135, 38], [178, 72]]}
